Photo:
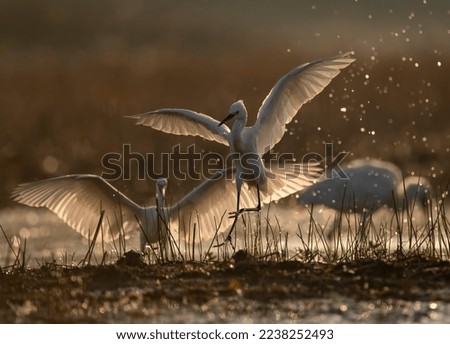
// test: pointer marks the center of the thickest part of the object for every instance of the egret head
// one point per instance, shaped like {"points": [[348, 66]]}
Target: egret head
{"points": [[237, 109], [161, 185]]}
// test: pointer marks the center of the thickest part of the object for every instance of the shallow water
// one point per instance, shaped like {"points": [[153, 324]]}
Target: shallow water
{"points": [[47, 238], [321, 310]]}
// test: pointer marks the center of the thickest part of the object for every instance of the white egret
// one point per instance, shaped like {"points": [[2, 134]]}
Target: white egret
{"points": [[79, 199], [249, 143], [367, 185]]}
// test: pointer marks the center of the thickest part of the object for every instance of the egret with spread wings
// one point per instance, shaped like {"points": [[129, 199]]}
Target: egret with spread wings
{"points": [[79, 200], [282, 103]]}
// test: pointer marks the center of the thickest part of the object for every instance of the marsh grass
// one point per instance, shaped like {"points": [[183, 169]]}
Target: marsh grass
{"points": [[397, 236], [352, 237], [347, 237]]}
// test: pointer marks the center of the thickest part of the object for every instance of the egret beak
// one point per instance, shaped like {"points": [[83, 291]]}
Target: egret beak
{"points": [[230, 116], [162, 191]]}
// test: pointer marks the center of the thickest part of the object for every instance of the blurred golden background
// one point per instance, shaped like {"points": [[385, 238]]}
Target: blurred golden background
{"points": [[71, 70]]}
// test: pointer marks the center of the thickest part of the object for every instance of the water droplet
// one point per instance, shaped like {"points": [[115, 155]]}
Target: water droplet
{"points": [[24, 233], [50, 164]]}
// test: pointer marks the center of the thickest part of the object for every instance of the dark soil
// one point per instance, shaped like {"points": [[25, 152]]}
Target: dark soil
{"points": [[242, 289]]}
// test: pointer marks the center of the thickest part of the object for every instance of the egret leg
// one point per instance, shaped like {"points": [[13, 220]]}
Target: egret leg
{"points": [[242, 210], [232, 228], [258, 206], [234, 214], [239, 211]]}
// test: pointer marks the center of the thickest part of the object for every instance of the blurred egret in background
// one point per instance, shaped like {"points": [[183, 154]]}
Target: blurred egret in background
{"points": [[364, 186]]}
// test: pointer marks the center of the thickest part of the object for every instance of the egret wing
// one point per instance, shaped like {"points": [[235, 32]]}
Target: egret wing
{"points": [[289, 94], [287, 179], [184, 122], [207, 206], [79, 200]]}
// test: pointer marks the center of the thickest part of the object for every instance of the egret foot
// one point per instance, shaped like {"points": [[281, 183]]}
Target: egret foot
{"points": [[226, 241], [234, 214]]}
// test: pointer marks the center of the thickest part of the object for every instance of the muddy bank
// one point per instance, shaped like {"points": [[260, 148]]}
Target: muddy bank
{"points": [[241, 290]]}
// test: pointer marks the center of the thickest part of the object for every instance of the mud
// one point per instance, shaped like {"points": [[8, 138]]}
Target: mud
{"points": [[242, 290]]}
